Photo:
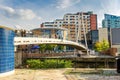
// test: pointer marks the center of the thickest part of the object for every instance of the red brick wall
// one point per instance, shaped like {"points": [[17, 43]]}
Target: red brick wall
{"points": [[93, 21]]}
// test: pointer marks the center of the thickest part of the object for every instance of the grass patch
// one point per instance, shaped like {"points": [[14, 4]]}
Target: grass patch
{"points": [[68, 71], [83, 71]]}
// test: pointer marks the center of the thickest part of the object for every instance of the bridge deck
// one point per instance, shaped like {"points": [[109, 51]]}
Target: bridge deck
{"points": [[36, 40]]}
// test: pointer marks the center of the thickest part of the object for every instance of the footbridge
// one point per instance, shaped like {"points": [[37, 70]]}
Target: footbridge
{"points": [[36, 40]]}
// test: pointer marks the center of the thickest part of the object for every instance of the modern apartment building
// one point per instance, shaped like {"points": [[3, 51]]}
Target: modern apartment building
{"points": [[78, 24], [111, 21], [56, 23]]}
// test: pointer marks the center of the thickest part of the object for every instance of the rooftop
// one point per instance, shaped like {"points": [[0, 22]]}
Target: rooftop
{"points": [[57, 28], [8, 28]]}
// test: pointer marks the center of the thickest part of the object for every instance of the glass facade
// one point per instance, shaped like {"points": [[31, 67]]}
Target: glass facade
{"points": [[46, 33], [59, 34], [94, 36], [6, 50], [111, 21]]}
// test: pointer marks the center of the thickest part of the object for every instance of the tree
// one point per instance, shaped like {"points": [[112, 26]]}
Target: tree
{"points": [[98, 46], [60, 47], [105, 45], [42, 47], [101, 46], [45, 47], [50, 47]]}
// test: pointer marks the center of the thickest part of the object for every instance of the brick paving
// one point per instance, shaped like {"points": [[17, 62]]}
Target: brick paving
{"points": [[58, 74], [28, 74]]}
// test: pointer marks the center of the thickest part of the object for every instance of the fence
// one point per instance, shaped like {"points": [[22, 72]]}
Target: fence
{"points": [[45, 55]]}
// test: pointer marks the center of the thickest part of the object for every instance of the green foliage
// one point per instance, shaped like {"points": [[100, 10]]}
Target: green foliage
{"points": [[105, 45], [42, 47], [98, 46], [33, 63], [49, 47], [101, 46], [68, 64], [60, 47], [52, 63]]}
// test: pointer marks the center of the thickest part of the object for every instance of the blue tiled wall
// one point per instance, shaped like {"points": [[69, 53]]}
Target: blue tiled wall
{"points": [[6, 50]]}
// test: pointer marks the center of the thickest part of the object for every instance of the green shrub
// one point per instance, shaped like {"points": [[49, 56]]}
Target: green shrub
{"points": [[52, 63], [33, 63], [61, 64], [68, 64]]}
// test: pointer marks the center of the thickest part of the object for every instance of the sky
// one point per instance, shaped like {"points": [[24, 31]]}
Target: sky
{"points": [[29, 14]]}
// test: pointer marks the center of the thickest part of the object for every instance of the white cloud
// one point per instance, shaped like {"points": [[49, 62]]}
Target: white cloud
{"points": [[25, 14], [26, 18], [112, 7], [39, 18], [18, 27], [7, 9], [62, 4]]}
